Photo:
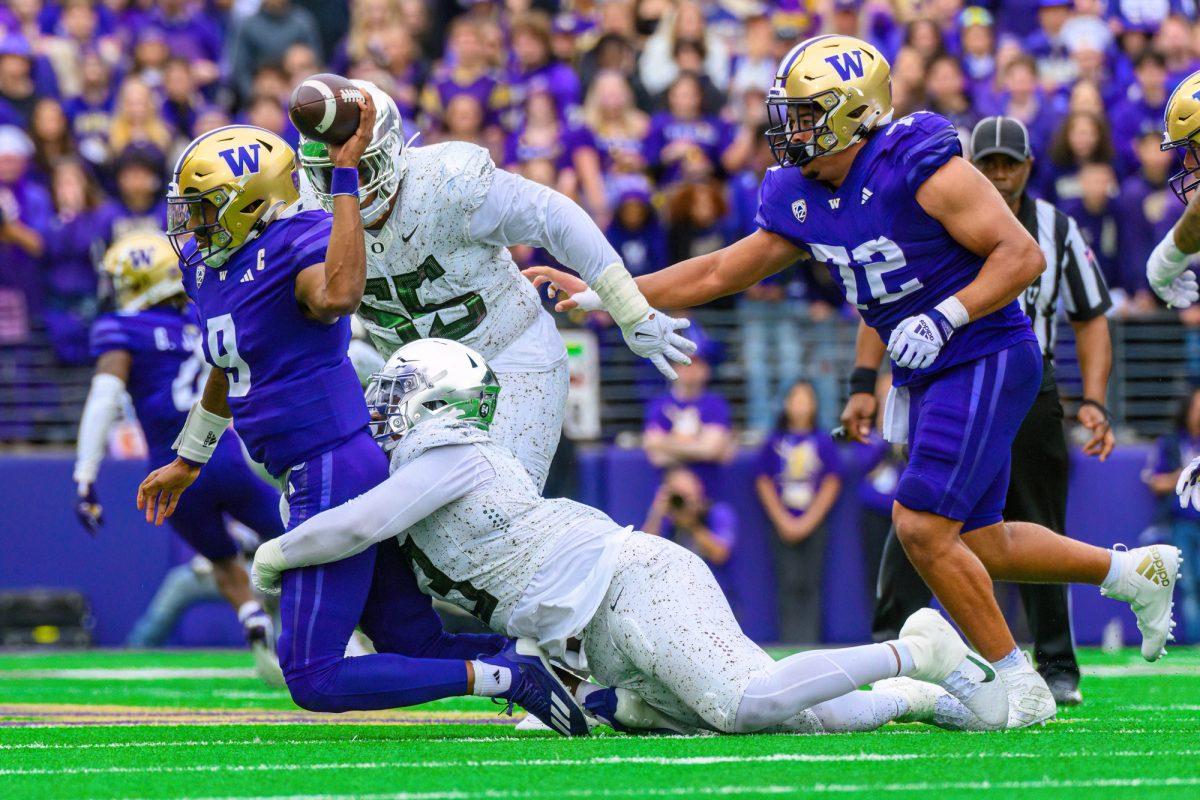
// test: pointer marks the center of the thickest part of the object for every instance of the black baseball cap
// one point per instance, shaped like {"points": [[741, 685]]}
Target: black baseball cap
{"points": [[1005, 135]]}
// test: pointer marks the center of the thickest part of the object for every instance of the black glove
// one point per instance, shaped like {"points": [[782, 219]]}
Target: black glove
{"points": [[89, 510]]}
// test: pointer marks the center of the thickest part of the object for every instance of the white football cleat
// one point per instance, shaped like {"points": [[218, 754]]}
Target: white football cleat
{"points": [[1030, 701], [1146, 580], [935, 646]]}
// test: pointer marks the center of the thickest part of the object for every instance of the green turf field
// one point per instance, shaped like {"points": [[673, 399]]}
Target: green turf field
{"points": [[197, 724]]}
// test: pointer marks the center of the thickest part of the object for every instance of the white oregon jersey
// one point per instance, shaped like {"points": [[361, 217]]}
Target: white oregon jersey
{"points": [[481, 551], [426, 277]]}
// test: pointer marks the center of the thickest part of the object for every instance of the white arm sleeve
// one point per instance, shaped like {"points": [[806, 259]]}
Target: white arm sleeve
{"points": [[101, 410], [1167, 262], [518, 211], [409, 495]]}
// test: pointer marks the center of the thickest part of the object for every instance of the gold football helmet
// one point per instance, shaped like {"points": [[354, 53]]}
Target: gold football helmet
{"points": [[829, 92], [1182, 124], [144, 270], [228, 185]]}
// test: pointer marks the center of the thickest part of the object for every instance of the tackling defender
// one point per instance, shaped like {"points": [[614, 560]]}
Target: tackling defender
{"points": [[641, 613], [274, 288], [925, 248], [1167, 268], [148, 349], [438, 222]]}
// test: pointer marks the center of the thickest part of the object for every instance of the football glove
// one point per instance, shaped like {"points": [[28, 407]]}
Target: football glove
{"points": [[1185, 487], [655, 336], [88, 509], [916, 341], [1181, 292], [265, 571]]}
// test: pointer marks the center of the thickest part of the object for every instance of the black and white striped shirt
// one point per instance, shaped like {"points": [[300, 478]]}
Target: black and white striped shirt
{"points": [[1071, 273]]}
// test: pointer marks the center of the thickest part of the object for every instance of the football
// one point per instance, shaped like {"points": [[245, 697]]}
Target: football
{"points": [[324, 107]]}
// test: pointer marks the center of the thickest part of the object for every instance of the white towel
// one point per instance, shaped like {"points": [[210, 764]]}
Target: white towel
{"points": [[895, 416]]}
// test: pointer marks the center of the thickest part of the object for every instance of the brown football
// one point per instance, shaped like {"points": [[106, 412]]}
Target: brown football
{"points": [[324, 107]]}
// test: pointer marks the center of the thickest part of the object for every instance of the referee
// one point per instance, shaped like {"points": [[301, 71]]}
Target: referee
{"points": [[1038, 491]]}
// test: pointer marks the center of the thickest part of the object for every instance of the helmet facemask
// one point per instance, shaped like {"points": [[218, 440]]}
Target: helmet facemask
{"points": [[1184, 182], [801, 128], [379, 172], [198, 217]]}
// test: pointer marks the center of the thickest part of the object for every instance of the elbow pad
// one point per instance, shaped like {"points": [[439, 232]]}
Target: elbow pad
{"points": [[200, 434]]}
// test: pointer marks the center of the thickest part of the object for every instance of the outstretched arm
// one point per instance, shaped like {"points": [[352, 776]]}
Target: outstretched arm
{"points": [[101, 410], [334, 288], [159, 493], [401, 501]]}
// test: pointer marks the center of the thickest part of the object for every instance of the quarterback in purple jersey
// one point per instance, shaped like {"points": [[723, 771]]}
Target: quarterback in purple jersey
{"points": [[925, 248], [274, 288], [148, 349]]}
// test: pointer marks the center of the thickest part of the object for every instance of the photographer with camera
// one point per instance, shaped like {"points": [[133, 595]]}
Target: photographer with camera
{"points": [[683, 512]]}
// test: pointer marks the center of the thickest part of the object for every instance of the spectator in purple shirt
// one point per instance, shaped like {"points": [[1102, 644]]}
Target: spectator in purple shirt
{"points": [[535, 69], [798, 479], [1098, 214], [1147, 208], [682, 141], [190, 34], [1022, 98], [24, 212], [51, 134], [139, 204], [75, 240], [1143, 103], [616, 124], [978, 47], [690, 425], [181, 97], [683, 512], [635, 231], [1083, 138], [946, 87], [465, 70], [91, 112], [1047, 46], [18, 94]]}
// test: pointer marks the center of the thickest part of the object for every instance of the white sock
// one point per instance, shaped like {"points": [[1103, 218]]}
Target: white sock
{"points": [[906, 659], [860, 711], [248, 609], [490, 679], [584, 690], [801, 681], [1114, 571], [1014, 660]]}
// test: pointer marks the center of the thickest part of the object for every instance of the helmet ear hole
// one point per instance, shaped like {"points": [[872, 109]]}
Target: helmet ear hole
{"points": [[252, 206], [858, 112]]}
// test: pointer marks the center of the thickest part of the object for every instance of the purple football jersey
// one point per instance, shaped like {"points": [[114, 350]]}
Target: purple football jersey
{"points": [[890, 258], [165, 371], [292, 389]]}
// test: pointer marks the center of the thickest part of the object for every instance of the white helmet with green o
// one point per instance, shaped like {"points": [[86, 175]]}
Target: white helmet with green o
{"points": [[380, 169], [431, 378]]}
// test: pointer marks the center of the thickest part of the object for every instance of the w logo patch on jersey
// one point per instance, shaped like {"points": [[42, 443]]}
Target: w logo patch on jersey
{"points": [[242, 160], [847, 64]]}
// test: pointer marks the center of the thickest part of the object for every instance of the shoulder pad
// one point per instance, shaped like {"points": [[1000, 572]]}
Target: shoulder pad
{"points": [[466, 172], [431, 433], [917, 145]]}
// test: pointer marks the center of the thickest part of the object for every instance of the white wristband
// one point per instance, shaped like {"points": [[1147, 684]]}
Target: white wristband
{"points": [[954, 311], [200, 434], [622, 298]]}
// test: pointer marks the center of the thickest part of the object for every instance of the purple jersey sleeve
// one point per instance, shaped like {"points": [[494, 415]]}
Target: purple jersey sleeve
{"points": [[767, 462], [311, 245], [108, 334], [1162, 460], [922, 147], [771, 204]]}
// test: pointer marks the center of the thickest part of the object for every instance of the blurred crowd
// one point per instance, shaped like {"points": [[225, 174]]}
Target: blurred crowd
{"points": [[648, 112]]}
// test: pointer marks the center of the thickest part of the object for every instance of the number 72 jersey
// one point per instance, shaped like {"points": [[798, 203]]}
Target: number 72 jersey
{"points": [[891, 259], [426, 277]]}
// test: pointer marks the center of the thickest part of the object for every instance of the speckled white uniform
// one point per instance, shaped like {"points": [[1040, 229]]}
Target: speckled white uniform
{"points": [[427, 277], [482, 550]]}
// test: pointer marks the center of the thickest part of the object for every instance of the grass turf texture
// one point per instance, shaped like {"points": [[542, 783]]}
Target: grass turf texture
{"points": [[196, 724]]}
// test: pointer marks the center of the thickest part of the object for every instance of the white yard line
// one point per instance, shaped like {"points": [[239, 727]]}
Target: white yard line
{"points": [[662, 761], [800, 790], [131, 673]]}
